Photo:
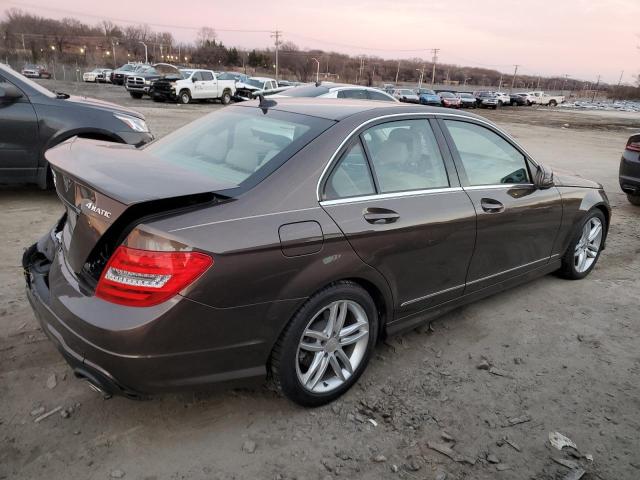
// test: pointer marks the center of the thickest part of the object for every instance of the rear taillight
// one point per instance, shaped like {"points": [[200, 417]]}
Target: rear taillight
{"points": [[633, 146], [142, 278]]}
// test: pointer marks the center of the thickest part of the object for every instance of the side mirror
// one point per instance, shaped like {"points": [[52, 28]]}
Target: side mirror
{"points": [[543, 177], [9, 93], [193, 79]]}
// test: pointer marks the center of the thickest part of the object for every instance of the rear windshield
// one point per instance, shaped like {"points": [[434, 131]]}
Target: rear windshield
{"points": [[306, 91], [238, 146]]}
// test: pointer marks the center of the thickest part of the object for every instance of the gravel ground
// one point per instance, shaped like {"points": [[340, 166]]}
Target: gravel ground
{"points": [[486, 384]]}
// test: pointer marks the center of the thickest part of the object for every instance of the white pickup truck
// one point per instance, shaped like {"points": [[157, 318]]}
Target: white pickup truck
{"points": [[195, 85], [541, 98]]}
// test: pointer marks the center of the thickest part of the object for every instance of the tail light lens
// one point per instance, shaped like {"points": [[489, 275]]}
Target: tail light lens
{"points": [[633, 146], [143, 278]]}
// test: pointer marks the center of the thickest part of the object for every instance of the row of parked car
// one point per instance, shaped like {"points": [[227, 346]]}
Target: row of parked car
{"points": [[477, 99]]}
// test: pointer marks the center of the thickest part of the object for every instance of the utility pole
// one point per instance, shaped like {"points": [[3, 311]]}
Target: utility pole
{"points": [[397, 72], [620, 79], [538, 85], [113, 45], [317, 68], [146, 52], [276, 34], [435, 59], [500, 83], [564, 83], [513, 80], [595, 89]]}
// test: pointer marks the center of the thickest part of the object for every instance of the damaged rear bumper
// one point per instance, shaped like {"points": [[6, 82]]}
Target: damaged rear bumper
{"points": [[135, 352]]}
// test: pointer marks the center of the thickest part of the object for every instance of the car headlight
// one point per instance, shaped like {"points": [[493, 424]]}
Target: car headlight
{"points": [[147, 82], [134, 123]]}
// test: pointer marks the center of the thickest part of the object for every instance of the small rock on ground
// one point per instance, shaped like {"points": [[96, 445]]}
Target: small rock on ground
{"points": [[117, 474], [249, 446]]}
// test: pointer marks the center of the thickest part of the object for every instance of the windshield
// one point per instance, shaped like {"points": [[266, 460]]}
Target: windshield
{"points": [[427, 92], [465, 95], [238, 146], [8, 72], [229, 76], [406, 92], [307, 91], [255, 83], [447, 95]]}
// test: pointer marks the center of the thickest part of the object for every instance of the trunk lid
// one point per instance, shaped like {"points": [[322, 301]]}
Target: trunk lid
{"points": [[105, 187]]}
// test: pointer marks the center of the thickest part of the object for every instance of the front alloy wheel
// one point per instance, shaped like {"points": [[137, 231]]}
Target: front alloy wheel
{"points": [[327, 344], [584, 250]]}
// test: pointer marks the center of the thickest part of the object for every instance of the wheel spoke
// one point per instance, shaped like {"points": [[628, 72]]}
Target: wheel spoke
{"points": [[592, 251], [333, 316], [344, 359], [346, 331], [342, 315], [344, 341], [311, 347], [324, 363], [315, 334], [313, 368], [336, 367], [595, 231], [582, 260]]}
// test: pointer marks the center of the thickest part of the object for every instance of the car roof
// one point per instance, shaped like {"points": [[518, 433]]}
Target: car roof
{"points": [[339, 109], [262, 79]]}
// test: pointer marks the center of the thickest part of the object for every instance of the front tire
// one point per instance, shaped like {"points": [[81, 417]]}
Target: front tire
{"points": [[584, 250], [136, 95], [326, 346], [226, 98], [184, 97], [633, 199]]}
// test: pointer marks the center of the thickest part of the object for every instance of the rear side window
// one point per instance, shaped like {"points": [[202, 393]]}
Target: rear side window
{"points": [[373, 95], [405, 156], [207, 76], [239, 146], [360, 94], [487, 158], [351, 177]]}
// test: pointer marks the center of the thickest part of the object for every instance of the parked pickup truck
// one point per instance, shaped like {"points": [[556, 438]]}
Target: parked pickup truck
{"points": [[141, 81], [541, 98], [195, 85]]}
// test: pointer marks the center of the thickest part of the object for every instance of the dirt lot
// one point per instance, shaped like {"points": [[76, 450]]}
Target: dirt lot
{"points": [[566, 357]]}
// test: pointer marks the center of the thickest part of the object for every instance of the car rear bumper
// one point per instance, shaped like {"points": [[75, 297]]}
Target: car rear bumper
{"points": [[629, 176], [181, 344]]}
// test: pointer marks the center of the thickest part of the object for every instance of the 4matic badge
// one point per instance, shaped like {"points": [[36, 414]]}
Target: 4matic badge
{"points": [[100, 211]]}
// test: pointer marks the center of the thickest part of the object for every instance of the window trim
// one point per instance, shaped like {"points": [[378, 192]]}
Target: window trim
{"points": [[434, 118], [362, 128], [462, 173]]}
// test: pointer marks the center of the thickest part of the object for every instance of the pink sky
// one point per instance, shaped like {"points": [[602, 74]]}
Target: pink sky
{"points": [[581, 38]]}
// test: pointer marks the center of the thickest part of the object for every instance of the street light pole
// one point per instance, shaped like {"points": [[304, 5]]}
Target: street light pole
{"points": [[113, 45], [146, 52], [317, 68]]}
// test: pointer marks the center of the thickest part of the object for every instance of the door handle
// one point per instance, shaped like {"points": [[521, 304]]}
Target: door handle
{"points": [[380, 216], [490, 205]]}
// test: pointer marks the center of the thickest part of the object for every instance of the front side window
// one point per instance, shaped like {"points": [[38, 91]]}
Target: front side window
{"points": [[353, 93], [197, 77], [405, 156], [351, 177], [373, 95], [487, 158]]}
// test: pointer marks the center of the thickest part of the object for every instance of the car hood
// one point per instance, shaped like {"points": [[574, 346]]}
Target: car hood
{"points": [[563, 179], [102, 105]]}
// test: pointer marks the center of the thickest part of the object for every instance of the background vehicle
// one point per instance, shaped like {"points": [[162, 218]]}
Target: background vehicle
{"points": [[119, 76], [542, 98], [502, 98], [195, 85], [104, 76], [487, 100], [630, 169], [467, 100], [528, 98], [335, 90], [405, 95], [429, 97], [449, 100], [517, 99], [245, 89], [200, 270], [141, 81], [92, 76], [235, 76], [35, 71], [34, 119]]}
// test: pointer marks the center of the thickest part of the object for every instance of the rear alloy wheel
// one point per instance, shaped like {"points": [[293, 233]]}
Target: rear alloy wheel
{"points": [[185, 97], [633, 199], [584, 250], [327, 345]]}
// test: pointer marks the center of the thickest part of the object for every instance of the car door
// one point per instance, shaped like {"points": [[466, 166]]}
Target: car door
{"points": [[209, 85], [397, 199], [198, 85], [517, 222], [18, 136]]}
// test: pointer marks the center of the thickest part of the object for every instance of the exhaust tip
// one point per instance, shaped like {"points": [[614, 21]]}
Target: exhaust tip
{"points": [[93, 384]]}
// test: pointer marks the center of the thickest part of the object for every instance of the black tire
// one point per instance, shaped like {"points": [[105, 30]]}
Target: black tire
{"points": [[284, 356], [157, 99], [184, 97], [568, 269], [633, 199], [226, 98], [136, 95], [552, 103]]}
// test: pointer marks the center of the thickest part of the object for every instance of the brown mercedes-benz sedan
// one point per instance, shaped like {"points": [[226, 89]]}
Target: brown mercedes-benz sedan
{"points": [[285, 238]]}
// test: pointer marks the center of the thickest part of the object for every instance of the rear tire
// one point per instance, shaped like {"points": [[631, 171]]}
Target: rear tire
{"points": [[136, 95], [313, 363], [633, 199], [583, 252]]}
